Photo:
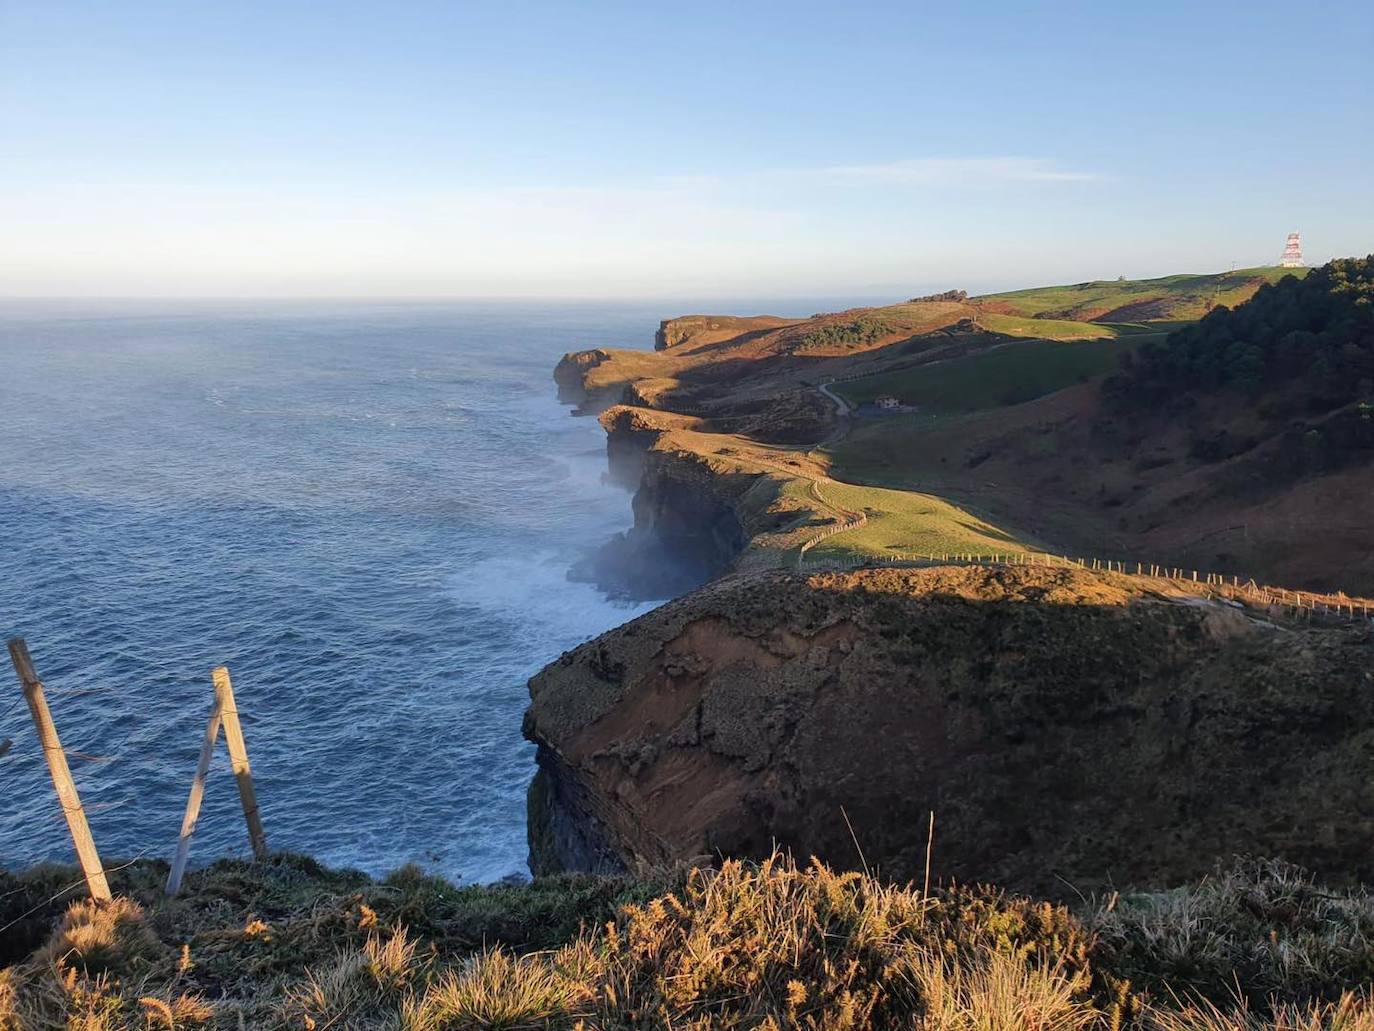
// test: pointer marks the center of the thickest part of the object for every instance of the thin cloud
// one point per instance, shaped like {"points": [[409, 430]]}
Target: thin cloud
{"points": [[996, 171]]}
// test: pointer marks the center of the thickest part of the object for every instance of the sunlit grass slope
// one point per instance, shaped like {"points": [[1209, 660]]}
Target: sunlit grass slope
{"points": [[1002, 376], [1046, 329], [904, 522], [1139, 300]]}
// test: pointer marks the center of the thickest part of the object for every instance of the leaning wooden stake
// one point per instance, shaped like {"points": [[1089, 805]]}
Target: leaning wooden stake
{"points": [[61, 772], [930, 847], [188, 822], [238, 759]]}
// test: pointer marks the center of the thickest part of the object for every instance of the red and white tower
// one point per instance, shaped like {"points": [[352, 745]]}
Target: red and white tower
{"points": [[1292, 253]]}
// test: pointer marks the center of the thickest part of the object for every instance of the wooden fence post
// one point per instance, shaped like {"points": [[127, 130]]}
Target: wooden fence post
{"points": [[238, 758], [188, 822], [61, 772]]}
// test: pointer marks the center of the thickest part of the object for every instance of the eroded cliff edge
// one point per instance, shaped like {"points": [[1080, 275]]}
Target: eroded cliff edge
{"points": [[700, 456], [701, 500], [1066, 727], [689, 512]]}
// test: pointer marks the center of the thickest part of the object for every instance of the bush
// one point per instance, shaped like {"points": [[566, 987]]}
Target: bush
{"points": [[863, 330], [948, 295]]}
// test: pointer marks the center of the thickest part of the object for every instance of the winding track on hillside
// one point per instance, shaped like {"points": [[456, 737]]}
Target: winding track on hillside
{"points": [[848, 519], [843, 410], [842, 407]]}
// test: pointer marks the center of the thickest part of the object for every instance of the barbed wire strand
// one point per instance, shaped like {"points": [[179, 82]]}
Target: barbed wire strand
{"points": [[11, 710], [69, 888]]}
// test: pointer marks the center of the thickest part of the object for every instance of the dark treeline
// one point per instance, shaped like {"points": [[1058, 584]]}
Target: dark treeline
{"points": [[948, 295], [1315, 334]]}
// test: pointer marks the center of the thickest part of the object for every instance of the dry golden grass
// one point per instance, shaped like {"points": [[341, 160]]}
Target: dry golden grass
{"points": [[775, 946], [769, 946], [1004, 993], [102, 970], [9, 1002], [1349, 1013], [362, 988], [499, 990], [98, 939]]}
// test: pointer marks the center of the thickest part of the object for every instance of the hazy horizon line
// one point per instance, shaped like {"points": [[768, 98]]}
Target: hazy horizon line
{"points": [[871, 293]]}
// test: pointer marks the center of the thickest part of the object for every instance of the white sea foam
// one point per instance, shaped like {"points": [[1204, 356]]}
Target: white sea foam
{"points": [[533, 593]]}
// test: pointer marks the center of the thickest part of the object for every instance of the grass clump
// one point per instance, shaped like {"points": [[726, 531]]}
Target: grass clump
{"points": [[1350, 1013], [364, 987]]}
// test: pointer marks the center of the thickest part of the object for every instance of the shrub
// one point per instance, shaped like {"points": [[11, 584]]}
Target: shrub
{"points": [[863, 330]]}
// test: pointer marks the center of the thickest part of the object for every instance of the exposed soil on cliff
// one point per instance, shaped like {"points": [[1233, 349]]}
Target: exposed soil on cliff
{"points": [[1068, 728]]}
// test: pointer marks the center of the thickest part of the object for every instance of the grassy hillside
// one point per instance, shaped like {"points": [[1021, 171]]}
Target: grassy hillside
{"points": [[1006, 375], [287, 944], [904, 522], [1046, 329], [1181, 297], [1241, 442], [1102, 318]]}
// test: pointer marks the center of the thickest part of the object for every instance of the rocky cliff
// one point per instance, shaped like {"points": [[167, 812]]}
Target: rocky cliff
{"points": [[570, 374], [1067, 728], [689, 521]]}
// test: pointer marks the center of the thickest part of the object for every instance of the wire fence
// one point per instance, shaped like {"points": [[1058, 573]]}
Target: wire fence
{"points": [[850, 521], [42, 755]]}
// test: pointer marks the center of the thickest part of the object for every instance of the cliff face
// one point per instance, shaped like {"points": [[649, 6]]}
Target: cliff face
{"points": [[631, 433], [570, 374], [1064, 726], [687, 524], [691, 519]]}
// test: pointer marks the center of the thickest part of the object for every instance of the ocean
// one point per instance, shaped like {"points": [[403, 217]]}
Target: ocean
{"points": [[366, 511]]}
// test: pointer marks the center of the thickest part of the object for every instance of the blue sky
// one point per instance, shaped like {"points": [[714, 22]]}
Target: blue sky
{"points": [[656, 150]]}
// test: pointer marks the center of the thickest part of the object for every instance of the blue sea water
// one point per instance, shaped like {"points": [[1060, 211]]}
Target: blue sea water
{"points": [[367, 511]]}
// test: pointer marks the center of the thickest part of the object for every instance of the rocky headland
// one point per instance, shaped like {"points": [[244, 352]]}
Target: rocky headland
{"points": [[1069, 729]]}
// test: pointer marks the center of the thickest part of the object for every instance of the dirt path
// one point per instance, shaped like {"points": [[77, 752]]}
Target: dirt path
{"points": [[842, 407]]}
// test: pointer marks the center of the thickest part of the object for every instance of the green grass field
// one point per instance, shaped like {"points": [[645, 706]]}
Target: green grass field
{"points": [[1046, 329], [904, 523], [1177, 297], [1007, 375]]}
